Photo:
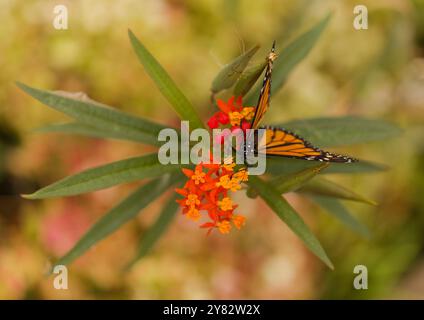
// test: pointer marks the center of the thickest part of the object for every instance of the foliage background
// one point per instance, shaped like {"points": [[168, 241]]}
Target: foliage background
{"points": [[377, 73]]}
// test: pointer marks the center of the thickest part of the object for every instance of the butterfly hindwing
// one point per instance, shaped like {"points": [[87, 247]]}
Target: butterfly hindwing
{"points": [[283, 143]]}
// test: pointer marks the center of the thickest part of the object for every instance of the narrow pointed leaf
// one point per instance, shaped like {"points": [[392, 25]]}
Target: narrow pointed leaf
{"points": [[324, 187], [342, 131], [362, 166], [105, 176], [290, 57], [292, 181], [98, 115], [229, 74], [165, 84], [281, 165], [248, 79], [153, 234], [338, 210], [117, 216], [286, 213], [83, 129]]}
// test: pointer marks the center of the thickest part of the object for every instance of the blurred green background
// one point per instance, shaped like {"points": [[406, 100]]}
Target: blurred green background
{"points": [[375, 73]]}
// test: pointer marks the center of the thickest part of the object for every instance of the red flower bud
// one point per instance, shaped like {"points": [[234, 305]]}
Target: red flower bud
{"points": [[213, 122], [245, 125], [223, 118], [223, 106]]}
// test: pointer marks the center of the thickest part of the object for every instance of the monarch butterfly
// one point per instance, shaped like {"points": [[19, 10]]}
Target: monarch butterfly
{"points": [[278, 141]]}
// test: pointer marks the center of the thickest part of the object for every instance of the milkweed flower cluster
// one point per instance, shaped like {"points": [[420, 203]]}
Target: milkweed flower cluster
{"points": [[209, 185], [233, 113], [208, 190]]}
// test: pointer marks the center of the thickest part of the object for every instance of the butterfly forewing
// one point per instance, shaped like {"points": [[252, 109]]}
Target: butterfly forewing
{"points": [[265, 94], [283, 143]]}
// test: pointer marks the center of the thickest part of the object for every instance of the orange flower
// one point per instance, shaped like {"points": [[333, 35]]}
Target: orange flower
{"points": [[234, 185], [192, 200], [235, 118], [193, 214], [225, 204], [198, 176], [224, 182], [248, 113], [229, 106], [224, 227], [187, 172], [207, 190], [241, 175], [238, 220]]}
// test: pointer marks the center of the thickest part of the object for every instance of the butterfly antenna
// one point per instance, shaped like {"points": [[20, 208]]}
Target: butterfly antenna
{"points": [[273, 47]]}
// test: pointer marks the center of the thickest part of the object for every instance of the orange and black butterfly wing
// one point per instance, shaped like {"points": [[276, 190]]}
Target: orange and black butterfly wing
{"points": [[283, 143], [265, 94]]}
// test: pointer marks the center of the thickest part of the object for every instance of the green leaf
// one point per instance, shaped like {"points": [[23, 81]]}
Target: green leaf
{"points": [[105, 176], [98, 115], [166, 85], [295, 52], [248, 79], [153, 234], [229, 74], [286, 213], [324, 187], [281, 165], [117, 216], [338, 210], [328, 132], [87, 130], [292, 181]]}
